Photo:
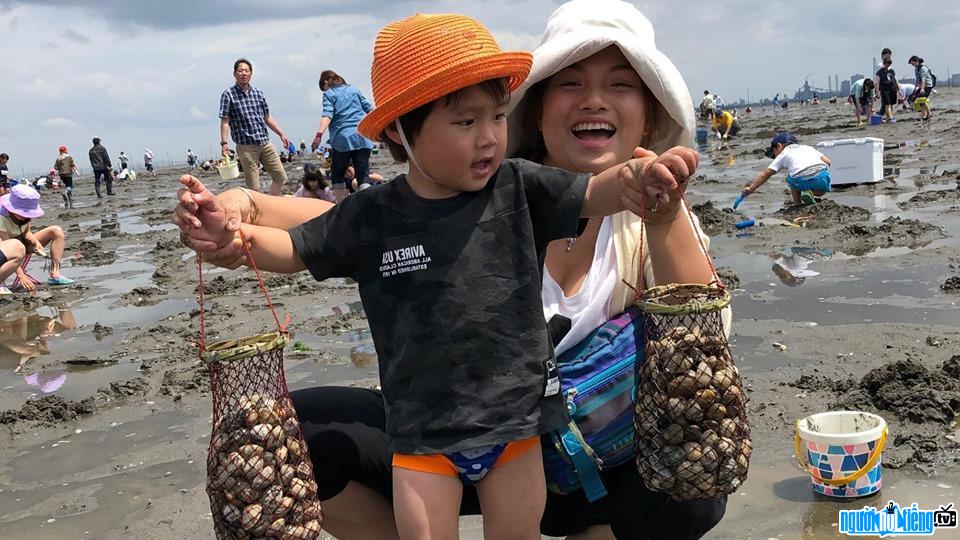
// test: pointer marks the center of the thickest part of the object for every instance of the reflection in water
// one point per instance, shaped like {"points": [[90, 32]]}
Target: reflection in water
{"points": [[363, 354], [47, 381], [24, 338], [722, 154], [821, 517], [349, 307], [792, 266]]}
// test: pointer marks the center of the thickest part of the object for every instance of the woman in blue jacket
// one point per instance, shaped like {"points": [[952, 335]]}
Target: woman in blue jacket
{"points": [[343, 109]]}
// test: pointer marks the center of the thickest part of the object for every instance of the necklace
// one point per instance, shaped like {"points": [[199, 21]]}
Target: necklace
{"points": [[571, 240]]}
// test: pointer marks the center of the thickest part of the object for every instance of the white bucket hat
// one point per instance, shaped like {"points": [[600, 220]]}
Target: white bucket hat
{"points": [[581, 28]]}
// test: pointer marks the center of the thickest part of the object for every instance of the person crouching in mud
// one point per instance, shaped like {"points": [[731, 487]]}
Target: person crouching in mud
{"points": [[808, 171]]}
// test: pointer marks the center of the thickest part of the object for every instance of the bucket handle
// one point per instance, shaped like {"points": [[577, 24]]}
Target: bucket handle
{"points": [[874, 457]]}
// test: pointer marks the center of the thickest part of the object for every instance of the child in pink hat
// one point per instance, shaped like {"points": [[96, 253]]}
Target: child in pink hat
{"points": [[17, 209]]}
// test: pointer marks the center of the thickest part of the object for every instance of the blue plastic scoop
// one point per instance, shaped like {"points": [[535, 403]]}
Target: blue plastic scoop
{"points": [[739, 200]]}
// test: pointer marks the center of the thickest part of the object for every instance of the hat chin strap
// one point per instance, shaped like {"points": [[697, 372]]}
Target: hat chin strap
{"points": [[413, 158]]}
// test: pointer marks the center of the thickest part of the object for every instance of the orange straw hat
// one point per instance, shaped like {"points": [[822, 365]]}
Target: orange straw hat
{"points": [[422, 58]]}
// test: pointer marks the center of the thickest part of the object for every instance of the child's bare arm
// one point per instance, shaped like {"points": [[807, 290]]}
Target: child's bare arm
{"points": [[826, 160], [272, 249], [761, 178], [604, 191]]}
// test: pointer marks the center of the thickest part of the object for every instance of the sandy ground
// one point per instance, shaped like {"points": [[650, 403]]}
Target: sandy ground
{"points": [[112, 441]]}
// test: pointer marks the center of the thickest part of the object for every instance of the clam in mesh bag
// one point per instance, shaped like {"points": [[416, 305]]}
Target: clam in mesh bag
{"points": [[692, 435], [690, 412], [259, 476]]}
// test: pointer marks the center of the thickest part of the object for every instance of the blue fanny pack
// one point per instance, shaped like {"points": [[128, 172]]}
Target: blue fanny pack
{"points": [[598, 382]]}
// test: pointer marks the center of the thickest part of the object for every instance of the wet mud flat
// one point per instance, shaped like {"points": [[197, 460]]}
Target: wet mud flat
{"points": [[113, 442], [873, 328]]}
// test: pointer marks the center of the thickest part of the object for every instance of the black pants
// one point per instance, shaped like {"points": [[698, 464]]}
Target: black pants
{"points": [[345, 430], [67, 181], [339, 163], [102, 175]]}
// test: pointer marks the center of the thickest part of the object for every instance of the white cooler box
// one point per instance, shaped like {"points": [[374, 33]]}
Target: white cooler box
{"points": [[855, 161]]}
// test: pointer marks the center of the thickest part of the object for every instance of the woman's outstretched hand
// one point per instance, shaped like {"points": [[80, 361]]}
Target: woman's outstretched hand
{"points": [[652, 184], [207, 226]]}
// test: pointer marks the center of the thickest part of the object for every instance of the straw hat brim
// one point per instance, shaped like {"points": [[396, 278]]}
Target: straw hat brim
{"points": [[513, 65]]}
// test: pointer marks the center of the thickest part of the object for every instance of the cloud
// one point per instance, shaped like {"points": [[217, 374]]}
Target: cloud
{"points": [[150, 73], [74, 36], [197, 113], [178, 14], [59, 123]]}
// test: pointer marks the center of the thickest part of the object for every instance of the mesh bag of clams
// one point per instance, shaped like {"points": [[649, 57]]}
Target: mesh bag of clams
{"points": [[692, 435], [259, 476]]}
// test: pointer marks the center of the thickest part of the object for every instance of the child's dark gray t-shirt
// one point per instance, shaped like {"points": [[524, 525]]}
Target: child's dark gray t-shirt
{"points": [[451, 289]]}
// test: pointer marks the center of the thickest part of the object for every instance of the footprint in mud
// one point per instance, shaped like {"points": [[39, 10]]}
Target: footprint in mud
{"points": [[90, 253]]}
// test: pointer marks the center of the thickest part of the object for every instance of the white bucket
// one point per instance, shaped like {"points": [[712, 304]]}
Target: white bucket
{"points": [[229, 171], [841, 451]]}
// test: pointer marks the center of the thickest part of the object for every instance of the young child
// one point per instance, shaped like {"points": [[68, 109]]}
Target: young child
{"points": [[808, 172], [448, 259], [17, 209], [314, 185], [888, 88]]}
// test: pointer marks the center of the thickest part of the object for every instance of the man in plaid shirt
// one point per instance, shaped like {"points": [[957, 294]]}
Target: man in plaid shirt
{"points": [[244, 111]]}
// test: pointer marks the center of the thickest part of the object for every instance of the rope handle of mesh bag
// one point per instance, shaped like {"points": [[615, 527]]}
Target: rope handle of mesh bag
{"points": [[685, 208], [871, 461], [263, 288]]}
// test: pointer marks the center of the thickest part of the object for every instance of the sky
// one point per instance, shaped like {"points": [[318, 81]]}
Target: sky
{"points": [[149, 74]]}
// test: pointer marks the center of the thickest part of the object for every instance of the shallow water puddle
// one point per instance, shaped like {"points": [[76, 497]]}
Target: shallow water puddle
{"points": [[340, 309], [122, 223], [353, 356], [72, 383], [840, 295], [66, 333], [129, 316]]}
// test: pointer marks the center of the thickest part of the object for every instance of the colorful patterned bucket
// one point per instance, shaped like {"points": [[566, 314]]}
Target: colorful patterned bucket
{"points": [[841, 452]]}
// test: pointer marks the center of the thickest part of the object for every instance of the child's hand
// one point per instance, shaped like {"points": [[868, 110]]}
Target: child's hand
{"points": [[652, 184], [26, 282]]}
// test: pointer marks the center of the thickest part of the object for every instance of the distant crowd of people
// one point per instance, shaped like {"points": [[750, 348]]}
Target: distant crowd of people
{"points": [[885, 87]]}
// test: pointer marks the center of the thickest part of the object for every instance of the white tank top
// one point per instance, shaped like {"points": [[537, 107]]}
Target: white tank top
{"points": [[587, 309]]}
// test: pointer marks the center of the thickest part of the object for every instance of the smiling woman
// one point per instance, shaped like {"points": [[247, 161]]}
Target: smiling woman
{"points": [[598, 136]]}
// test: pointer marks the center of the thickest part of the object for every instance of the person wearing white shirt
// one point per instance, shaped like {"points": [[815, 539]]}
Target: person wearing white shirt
{"points": [[808, 170]]}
